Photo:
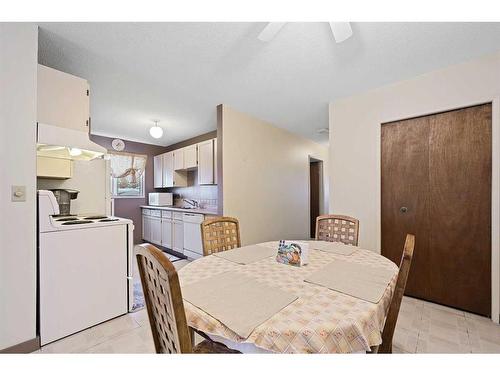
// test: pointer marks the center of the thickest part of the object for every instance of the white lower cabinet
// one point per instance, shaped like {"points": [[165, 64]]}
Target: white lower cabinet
{"points": [[173, 230], [178, 231], [146, 226], [163, 227], [166, 233], [156, 230]]}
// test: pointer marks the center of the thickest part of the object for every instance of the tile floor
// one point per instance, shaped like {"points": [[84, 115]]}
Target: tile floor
{"points": [[422, 327]]}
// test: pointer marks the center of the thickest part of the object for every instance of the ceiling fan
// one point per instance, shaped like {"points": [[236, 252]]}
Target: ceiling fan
{"points": [[341, 31]]}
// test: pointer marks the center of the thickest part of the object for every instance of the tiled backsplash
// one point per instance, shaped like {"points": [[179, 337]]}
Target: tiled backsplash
{"points": [[205, 195]]}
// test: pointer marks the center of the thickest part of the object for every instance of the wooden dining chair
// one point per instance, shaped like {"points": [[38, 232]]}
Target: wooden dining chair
{"points": [[167, 317], [337, 228], [220, 234], [392, 315]]}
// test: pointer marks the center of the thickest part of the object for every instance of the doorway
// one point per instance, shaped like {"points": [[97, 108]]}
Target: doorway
{"points": [[436, 184], [315, 193]]}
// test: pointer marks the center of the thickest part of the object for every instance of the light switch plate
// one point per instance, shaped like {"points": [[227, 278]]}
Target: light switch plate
{"points": [[18, 193]]}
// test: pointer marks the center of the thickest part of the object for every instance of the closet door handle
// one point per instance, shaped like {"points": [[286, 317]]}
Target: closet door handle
{"points": [[403, 210]]}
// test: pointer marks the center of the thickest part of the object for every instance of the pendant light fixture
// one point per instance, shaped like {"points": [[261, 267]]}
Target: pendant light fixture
{"points": [[156, 131]]}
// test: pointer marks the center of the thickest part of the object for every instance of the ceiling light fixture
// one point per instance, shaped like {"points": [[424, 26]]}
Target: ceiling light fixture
{"points": [[156, 131]]}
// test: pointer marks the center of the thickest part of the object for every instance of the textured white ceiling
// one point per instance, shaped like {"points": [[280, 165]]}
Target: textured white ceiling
{"points": [[179, 72]]}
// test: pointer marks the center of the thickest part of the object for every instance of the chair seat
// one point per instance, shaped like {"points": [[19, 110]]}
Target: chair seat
{"points": [[212, 347]]}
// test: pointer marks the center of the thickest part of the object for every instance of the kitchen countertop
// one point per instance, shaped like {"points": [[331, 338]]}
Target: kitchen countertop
{"points": [[180, 209]]}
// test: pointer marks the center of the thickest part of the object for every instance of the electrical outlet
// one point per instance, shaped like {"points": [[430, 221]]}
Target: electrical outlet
{"points": [[18, 194]]}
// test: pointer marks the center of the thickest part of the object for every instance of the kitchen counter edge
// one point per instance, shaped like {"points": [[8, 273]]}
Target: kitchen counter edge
{"points": [[178, 209]]}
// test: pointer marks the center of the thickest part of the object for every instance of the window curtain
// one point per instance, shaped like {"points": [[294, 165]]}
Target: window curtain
{"points": [[127, 169]]}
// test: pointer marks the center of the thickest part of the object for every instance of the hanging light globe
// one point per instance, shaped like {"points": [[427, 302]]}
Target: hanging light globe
{"points": [[156, 131]]}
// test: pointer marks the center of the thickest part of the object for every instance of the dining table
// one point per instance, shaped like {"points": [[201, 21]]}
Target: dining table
{"points": [[319, 320]]}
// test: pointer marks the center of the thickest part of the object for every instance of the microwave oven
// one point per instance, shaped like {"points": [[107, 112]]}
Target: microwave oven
{"points": [[160, 199]]}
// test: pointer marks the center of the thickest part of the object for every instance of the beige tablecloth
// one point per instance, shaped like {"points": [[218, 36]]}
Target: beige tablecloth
{"points": [[321, 320]]}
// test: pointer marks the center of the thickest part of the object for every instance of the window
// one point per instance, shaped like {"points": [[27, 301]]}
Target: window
{"points": [[127, 175]]}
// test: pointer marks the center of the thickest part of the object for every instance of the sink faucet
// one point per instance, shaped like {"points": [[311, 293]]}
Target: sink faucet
{"points": [[192, 202]]}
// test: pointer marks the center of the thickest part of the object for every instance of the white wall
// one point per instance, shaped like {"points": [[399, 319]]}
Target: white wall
{"points": [[18, 66], [266, 177], [355, 124]]}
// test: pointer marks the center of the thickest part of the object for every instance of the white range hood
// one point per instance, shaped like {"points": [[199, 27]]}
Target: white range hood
{"points": [[64, 143]]}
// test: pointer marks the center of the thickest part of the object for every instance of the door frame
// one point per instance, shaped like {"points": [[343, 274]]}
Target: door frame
{"points": [[323, 204], [495, 185]]}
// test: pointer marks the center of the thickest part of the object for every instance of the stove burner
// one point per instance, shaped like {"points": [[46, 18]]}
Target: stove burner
{"points": [[76, 222], [95, 217], [108, 219], [68, 219]]}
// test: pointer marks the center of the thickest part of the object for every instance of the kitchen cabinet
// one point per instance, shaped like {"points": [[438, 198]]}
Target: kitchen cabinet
{"points": [[170, 168], [146, 227], [156, 234], [178, 235], [166, 233], [62, 100], [206, 162], [174, 230], [190, 157], [48, 167], [178, 159], [158, 171], [172, 178]]}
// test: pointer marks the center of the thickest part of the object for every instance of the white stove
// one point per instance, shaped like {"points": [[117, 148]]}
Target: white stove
{"points": [[85, 269], [50, 220]]}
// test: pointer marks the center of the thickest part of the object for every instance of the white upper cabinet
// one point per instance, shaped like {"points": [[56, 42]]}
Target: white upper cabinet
{"points": [[172, 178], [206, 163], [191, 157], [62, 100], [168, 169], [158, 171], [179, 159]]}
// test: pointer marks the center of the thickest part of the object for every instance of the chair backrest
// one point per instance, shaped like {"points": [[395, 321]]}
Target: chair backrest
{"points": [[163, 301], [220, 234], [337, 228], [392, 315]]}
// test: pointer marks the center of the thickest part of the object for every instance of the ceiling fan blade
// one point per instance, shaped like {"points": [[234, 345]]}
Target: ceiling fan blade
{"points": [[341, 31], [270, 31]]}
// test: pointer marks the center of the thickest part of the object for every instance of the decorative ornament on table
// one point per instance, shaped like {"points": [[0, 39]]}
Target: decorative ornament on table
{"points": [[293, 253], [118, 144]]}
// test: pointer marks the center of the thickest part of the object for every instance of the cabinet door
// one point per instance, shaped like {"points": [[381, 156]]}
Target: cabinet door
{"points": [[156, 230], [53, 167], [62, 99], [166, 233], [178, 236], [178, 159], [168, 169], [206, 162], [146, 228], [158, 171], [190, 157]]}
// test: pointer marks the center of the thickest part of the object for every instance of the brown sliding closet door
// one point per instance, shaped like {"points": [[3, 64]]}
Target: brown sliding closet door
{"points": [[441, 174], [405, 195]]}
